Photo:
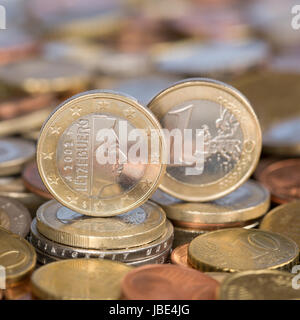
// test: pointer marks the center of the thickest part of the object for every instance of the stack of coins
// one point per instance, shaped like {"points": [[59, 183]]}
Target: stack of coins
{"points": [[138, 237], [242, 208], [15, 153], [215, 193], [100, 208]]}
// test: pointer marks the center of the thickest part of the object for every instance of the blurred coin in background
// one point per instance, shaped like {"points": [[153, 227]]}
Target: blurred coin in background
{"points": [[282, 178], [14, 216], [14, 153], [284, 219], [211, 58], [33, 181], [259, 285]]}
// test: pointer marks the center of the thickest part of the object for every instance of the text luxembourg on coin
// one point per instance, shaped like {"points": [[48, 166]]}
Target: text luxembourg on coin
{"points": [[224, 122], [72, 154]]}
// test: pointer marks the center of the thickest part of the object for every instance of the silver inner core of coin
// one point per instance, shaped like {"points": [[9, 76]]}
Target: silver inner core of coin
{"points": [[79, 164], [223, 139]]}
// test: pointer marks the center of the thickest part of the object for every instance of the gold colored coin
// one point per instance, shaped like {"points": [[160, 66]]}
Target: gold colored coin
{"points": [[131, 229], [248, 202], [79, 279], [280, 125], [24, 124], [72, 164], [285, 220], [14, 153], [17, 256], [259, 285], [13, 187], [44, 76], [14, 216], [219, 276], [239, 249], [227, 129]]}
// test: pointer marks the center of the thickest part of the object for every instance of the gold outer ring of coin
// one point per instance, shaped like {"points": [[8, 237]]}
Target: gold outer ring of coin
{"points": [[122, 234], [223, 94], [258, 285], [239, 249], [217, 212], [284, 219], [17, 256], [59, 251], [64, 116], [76, 279]]}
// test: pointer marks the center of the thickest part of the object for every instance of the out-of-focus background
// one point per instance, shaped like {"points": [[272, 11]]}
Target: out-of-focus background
{"points": [[53, 49]]}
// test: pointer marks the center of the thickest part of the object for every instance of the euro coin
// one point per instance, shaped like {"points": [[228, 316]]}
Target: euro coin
{"points": [[59, 251], [259, 285], [14, 216], [134, 228], [284, 219], [222, 146], [168, 282], [17, 256], [79, 279], [248, 202], [238, 249], [282, 178], [82, 159], [46, 76]]}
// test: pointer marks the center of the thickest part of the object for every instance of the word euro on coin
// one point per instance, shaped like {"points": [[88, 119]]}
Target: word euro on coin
{"points": [[85, 148], [225, 140]]}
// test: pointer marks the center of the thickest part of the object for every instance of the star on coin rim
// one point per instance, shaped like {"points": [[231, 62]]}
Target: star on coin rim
{"points": [[63, 116], [211, 90]]}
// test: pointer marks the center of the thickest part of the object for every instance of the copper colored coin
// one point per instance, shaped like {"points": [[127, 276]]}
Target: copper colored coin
{"points": [[168, 282], [282, 178], [179, 255], [33, 181], [19, 106], [22, 291], [211, 226]]}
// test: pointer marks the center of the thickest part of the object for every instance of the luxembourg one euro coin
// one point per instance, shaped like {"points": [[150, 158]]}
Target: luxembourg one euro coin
{"points": [[213, 135], [96, 153]]}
